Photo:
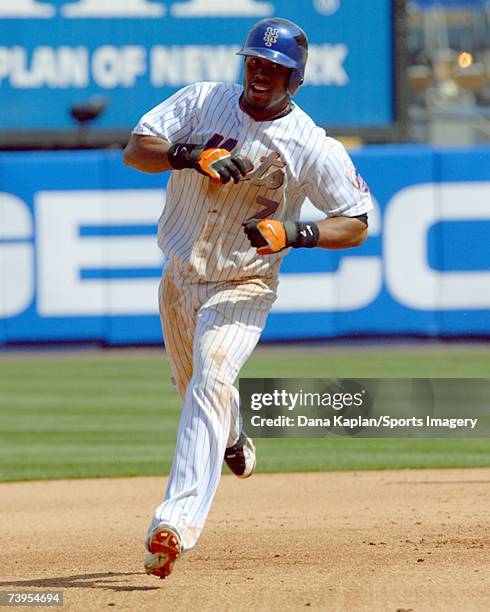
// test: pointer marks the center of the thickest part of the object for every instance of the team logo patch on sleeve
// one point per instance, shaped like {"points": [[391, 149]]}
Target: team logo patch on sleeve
{"points": [[358, 181]]}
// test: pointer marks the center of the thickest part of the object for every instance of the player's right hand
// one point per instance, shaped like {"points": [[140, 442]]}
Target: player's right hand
{"points": [[218, 164], [222, 166]]}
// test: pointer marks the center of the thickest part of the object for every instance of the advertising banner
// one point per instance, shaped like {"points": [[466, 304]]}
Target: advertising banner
{"points": [[79, 259], [134, 53]]}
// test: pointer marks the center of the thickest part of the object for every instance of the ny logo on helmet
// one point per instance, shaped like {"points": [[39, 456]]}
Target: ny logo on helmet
{"points": [[270, 37]]}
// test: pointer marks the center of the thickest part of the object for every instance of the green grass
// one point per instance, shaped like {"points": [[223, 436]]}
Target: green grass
{"points": [[115, 414]]}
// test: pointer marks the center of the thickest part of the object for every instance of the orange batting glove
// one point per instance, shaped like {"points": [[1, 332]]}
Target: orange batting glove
{"points": [[271, 236], [220, 165]]}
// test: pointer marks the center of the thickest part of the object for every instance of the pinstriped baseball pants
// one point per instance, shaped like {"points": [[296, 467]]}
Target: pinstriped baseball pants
{"points": [[210, 330]]}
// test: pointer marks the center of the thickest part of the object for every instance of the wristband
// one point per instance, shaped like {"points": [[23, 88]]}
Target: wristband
{"points": [[301, 234], [182, 155]]}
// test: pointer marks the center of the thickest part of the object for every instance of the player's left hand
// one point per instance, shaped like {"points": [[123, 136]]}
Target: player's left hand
{"points": [[271, 236], [267, 235]]}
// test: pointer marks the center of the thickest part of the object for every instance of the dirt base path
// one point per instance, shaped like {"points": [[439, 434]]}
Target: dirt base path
{"points": [[398, 541]]}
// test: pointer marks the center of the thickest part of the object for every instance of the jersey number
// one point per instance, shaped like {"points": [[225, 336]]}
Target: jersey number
{"points": [[273, 181], [269, 208]]}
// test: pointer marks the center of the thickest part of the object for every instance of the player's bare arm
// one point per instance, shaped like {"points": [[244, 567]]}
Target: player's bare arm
{"points": [[153, 154], [147, 153], [342, 232], [271, 236]]}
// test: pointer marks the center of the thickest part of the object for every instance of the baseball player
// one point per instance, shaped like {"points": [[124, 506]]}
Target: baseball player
{"points": [[244, 158]]}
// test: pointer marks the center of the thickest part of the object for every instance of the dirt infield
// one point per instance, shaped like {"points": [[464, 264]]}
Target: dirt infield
{"points": [[397, 541]]}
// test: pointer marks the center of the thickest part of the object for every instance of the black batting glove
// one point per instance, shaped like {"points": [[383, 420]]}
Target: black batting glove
{"points": [[302, 234], [182, 155], [218, 164], [271, 236], [227, 167]]}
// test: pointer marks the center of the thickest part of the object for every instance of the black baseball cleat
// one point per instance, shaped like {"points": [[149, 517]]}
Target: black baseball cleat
{"points": [[240, 457]]}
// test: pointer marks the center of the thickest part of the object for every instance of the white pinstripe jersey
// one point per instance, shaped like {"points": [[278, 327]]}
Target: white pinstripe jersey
{"points": [[200, 228]]}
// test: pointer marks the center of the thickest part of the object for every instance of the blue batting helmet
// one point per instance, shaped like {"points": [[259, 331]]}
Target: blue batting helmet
{"points": [[280, 41]]}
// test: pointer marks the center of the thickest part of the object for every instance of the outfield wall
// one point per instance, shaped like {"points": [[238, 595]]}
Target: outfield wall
{"points": [[79, 262]]}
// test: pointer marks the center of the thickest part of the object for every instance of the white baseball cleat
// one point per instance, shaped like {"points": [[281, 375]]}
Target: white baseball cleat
{"points": [[240, 457], [164, 548]]}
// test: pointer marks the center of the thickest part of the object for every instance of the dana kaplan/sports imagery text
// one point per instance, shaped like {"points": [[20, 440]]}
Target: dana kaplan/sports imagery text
{"points": [[380, 422]]}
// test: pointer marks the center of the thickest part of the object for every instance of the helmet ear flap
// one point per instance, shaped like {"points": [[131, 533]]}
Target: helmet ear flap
{"points": [[295, 81]]}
